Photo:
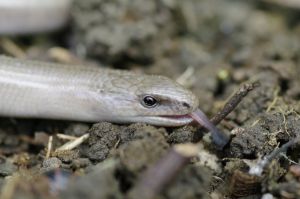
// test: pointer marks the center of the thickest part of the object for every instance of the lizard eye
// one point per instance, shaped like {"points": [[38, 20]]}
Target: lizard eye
{"points": [[149, 102]]}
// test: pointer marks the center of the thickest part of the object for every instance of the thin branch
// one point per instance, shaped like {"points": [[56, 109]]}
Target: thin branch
{"points": [[234, 101], [258, 168], [65, 137], [230, 105], [73, 143], [49, 147]]}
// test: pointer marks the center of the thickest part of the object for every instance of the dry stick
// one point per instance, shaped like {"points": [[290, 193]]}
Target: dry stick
{"points": [[230, 105], [258, 168], [234, 101], [73, 143], [49, 147], [158, 176]]}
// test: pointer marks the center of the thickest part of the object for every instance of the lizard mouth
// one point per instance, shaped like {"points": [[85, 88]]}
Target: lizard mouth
{"points": [[170, 120], [176, 116], [161, 120]]}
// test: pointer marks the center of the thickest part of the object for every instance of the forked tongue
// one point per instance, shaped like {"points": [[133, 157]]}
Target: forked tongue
{"points": [[219, 138]]}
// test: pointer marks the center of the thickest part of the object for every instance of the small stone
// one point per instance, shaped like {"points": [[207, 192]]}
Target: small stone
{"points": [[51, 163]]}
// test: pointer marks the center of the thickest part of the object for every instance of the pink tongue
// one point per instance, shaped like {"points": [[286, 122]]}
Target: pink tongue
{"points": [[219, 138]]}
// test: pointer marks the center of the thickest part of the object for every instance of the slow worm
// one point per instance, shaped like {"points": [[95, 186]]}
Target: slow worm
{"points": [[47, 90], [33, 89], [32, 16]]}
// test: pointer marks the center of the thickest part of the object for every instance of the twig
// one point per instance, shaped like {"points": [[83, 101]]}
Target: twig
{"points": [[66, 137], [230, 105], [161, 174], [186, 78], [49, 147], [73, 143], [276, 92], [234, 101], [258, 168], [12, 48], [63, 55], [288, 159]]}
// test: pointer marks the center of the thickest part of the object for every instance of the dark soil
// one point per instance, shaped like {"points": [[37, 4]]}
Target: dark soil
{"points": [[224, 43]]}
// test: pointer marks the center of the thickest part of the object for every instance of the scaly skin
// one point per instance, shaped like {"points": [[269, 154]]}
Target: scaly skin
{"points": [[32, 16], [35, 89]]}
